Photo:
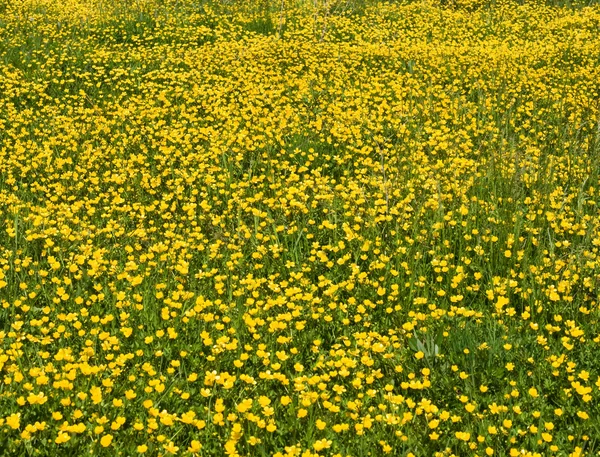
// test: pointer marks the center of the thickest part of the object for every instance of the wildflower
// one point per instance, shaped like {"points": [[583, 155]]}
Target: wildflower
{"points": [[106, 440], [13, 421]]}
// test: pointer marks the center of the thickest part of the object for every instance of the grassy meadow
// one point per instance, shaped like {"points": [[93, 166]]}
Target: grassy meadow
{"points": [[340, 228]]}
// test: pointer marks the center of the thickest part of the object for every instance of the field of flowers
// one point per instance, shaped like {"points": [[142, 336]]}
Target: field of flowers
{"points": [[325, 228]]}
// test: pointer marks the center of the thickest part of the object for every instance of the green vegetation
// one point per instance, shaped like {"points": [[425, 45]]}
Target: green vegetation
{"points": [[320, 228]]}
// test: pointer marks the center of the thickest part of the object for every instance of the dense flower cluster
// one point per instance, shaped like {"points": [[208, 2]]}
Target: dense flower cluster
{"points": [[330, 228]]}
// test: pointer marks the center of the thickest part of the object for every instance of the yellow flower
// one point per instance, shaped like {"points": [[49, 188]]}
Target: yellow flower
{"points": [[171, 448], [533, 392], [195, 447], [62, 438], [501, 302], [106, 440], [322, 444], [14, 421], [264, 401], [463, 436], [547, 437], [253, 441]]}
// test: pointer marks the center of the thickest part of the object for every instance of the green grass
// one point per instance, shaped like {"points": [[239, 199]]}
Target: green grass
{"points": [[376, 220]]}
